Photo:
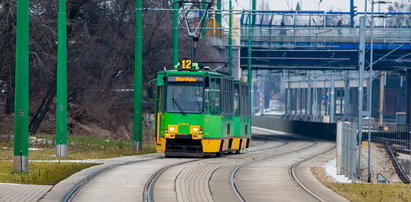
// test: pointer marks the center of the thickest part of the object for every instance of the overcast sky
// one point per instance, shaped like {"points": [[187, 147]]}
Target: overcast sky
{"points": [[327, 5]]}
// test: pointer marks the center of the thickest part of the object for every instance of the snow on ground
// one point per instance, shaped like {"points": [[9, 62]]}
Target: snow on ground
{"points": [[331, 169], [35, 149]]}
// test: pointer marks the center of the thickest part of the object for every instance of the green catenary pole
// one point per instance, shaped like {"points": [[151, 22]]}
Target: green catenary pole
{"points": [[219, 16], [61, 111], [21, 108], [249, 57], [253, 7], [230, 38], [138, 66], [204, 27], [175, 32]]}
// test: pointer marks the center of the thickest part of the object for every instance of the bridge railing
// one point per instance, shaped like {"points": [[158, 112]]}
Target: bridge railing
{"points": [[325, 19], [326, 35]]}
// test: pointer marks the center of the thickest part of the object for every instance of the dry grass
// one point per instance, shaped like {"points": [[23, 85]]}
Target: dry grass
{"points": [[365, 192], [372, 192], [79, 148], [51, 173], [40, 172]]}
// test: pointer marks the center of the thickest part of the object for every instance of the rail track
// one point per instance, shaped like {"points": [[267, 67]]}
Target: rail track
{"points": [[69, 196], [294, 177], [78, 186], [149, 187], [234, 173], [148, 194]]}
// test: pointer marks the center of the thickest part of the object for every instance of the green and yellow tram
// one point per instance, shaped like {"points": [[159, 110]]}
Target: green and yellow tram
{"points": [[200, 113]]}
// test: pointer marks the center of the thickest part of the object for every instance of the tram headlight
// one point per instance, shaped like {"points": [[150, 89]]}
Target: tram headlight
{"points": [[172, 129], [195, 129]]}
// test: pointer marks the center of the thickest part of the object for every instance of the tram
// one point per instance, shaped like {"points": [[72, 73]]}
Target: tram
{"points": [[200, 113]]}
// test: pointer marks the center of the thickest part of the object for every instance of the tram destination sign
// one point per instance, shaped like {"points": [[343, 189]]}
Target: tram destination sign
{"points": [[185, 79]]}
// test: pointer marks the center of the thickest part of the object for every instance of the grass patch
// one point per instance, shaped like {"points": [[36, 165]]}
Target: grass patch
{"points": [[40, 173], [372, 192], [79, 148]]}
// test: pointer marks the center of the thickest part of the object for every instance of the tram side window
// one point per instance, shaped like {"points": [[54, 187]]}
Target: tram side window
{"points": [[231, 99], [224, 96], [245, 101], [227, 95], [215, 96], [237, 99]]}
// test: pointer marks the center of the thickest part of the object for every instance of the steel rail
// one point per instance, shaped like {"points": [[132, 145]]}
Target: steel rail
{"points": [[285, 142], [292, 172], [397, 165], [149, 186], [234, 173], [83, 182], [78, 186]]}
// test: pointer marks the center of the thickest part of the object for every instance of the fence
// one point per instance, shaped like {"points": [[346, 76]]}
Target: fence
{"points": [[385, 159]]}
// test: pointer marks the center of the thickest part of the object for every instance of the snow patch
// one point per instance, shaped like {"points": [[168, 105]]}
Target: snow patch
{"points": [[12, 184], [331, 170], [35, 149]]}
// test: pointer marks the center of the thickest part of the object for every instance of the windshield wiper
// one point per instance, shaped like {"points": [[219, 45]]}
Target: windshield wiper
{"points": [[178, 106]]}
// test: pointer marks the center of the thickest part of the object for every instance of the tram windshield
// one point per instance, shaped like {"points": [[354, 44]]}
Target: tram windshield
{"points": [[185, 97]]}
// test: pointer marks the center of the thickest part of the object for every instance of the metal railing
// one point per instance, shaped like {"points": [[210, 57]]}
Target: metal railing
{"points": [[387, 158], [326, 35], [325, 19], [323, 29]]}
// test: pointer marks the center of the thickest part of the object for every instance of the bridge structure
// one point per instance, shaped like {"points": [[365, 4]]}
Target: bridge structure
{"points": [[324, 40], [317, 55]]}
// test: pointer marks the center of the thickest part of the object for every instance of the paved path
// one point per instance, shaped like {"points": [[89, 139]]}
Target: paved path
{"points": [[22, 192]]}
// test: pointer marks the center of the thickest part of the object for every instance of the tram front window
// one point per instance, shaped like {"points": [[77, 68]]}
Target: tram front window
{"points": [[185, 98]]}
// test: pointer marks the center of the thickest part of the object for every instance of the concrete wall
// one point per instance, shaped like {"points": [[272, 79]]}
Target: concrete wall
{"points": [[326, 131]]}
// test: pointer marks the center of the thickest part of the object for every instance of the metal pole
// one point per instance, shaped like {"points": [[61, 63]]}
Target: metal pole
{"points": [[408, 113], [253, 7], [314, 104], [249, 71], [381, 105], [204, 26], [230, 38], [175, 31], [332, 98], [339, 146], [21, 101], [192, 49], [361, 60], [219, 16], [61, 111], [347, 96], [138, 66], [370, 91], [352, 13]]}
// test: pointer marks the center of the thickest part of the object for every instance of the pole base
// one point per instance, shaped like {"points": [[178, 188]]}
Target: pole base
{"points": [[137, 146], [20, 164], [61, 150]]}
